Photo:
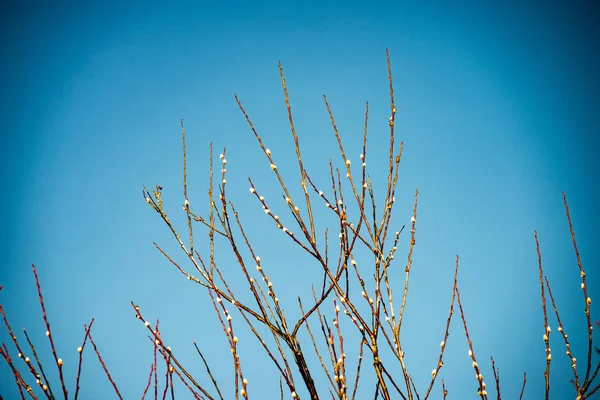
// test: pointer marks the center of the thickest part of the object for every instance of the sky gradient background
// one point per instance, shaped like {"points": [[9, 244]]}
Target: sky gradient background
{"points": [[497, 107]]}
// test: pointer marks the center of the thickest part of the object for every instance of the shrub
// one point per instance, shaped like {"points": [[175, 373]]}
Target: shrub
{"points": [[349, 332]]}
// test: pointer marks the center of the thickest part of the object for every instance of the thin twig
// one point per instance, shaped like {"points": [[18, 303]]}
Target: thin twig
{"points": [[104, 365]]}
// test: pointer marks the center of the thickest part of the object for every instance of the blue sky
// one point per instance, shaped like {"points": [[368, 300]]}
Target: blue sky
{"points": [[497, 107]]}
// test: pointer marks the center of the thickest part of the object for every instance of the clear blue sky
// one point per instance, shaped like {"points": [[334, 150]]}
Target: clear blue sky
{"points": [[497, 107]]}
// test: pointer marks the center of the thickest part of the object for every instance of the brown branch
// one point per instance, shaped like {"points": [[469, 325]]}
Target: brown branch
{"points": [[481, 392], [299, 157], [149, 381], [444, 342], [27, 360], [496, 377], [212, 378], [546, 335], [565, 338], [166, 350], [444, 391], [80, 351], [58, 361], [103, 364], [19, 381], [48, 392], [523, 387], [586, 298]]}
